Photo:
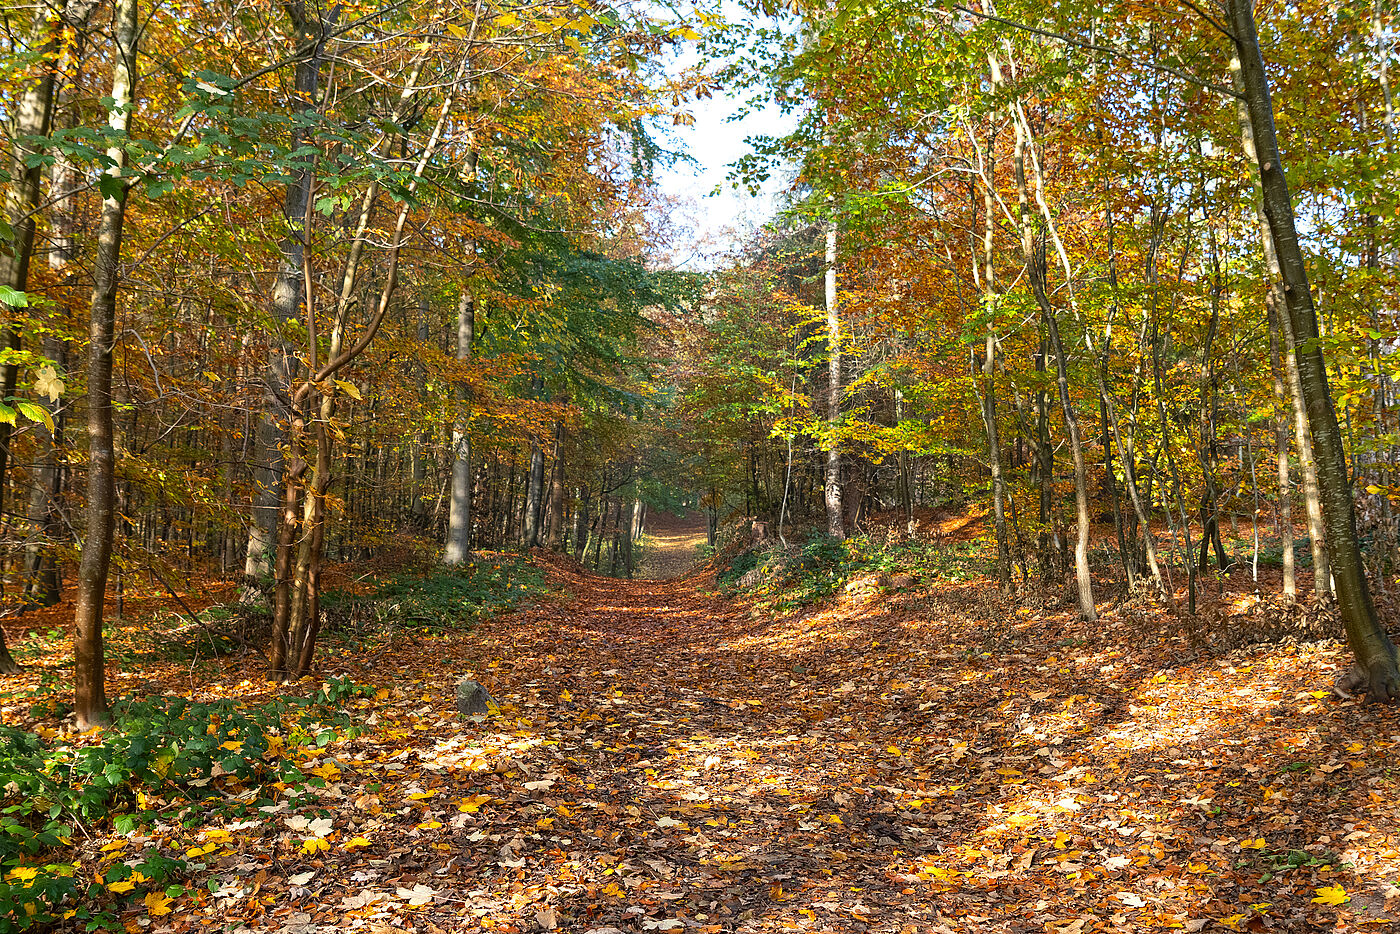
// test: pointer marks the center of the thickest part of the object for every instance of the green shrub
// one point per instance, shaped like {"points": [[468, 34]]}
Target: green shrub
{"points": [[440, 599], [157, 746]]}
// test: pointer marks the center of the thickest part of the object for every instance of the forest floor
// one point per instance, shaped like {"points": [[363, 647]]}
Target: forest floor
{"points": [[671, 545], [935, 759]]}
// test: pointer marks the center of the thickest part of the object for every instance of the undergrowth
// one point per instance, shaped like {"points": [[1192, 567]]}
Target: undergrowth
{"points": [[165, 759], [434, 599], [787, 578]]}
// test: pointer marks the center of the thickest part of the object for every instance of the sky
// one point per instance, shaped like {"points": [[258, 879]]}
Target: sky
{"points": [[709, 226]]}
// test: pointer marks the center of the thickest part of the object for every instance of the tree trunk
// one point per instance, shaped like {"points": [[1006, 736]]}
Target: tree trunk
{"points": [[459, 516], [982, 372], [534, 496], [835, 520], [555, 538], [1281, 329], [285, 299], [31, 117], [1376, 670], [1285, 493], [1035, 263], [89, 668]]}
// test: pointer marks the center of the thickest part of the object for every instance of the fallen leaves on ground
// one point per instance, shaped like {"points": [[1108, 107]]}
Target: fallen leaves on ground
{"points": [[941, 761]]}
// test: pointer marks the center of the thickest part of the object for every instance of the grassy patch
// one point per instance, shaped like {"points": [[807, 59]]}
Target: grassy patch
{"points": [[434, 599]]}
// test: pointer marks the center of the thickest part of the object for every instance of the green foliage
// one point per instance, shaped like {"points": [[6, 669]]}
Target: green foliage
{"points": [[158, 747], [459, 597], [441, 599], [810, 573]]}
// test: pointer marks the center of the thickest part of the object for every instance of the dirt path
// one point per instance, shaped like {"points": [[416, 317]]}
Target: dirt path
{"points": [[669, 761], [670, 545], [927, 761]]}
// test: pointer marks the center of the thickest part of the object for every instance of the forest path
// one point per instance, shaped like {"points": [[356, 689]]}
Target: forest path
{"points": [[671, 544], [669, 759]]}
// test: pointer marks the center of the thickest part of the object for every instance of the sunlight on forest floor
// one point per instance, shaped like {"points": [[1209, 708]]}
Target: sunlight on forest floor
{"points": [[932, 760], [671, 545]]}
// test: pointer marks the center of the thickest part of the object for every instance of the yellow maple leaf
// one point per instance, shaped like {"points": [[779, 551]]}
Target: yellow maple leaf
{"points": [[313, 845], [157, 904], [356, 843], [1331, 895], [122, 887], [1252, 844]]}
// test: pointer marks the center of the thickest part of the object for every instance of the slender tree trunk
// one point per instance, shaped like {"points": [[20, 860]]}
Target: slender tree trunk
{"points": [[1282, 320], [1035, 262], [459, 517], [1285, 493], [534, 496], [31, 117], [555, 538], [1376, 670], [89, 668], [835, 519], [581, 518], [983, 371], [283, 551], [283, 304], [418, 454]]}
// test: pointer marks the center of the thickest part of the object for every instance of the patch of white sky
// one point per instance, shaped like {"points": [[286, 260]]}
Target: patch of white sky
{"points": [[710, 218]]}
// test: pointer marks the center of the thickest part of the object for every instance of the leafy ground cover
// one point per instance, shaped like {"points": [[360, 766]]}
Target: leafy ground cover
{"points": [[673, 756]]}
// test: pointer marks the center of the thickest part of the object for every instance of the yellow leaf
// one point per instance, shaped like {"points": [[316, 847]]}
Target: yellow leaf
{"points": [[421, 795], [47, 383], [894, 750], [201, 850], [122, 887], [24, 873], [356, 843], [1257, 844], [349, 389], [157, 904], [233, 745], [1331, 895], [313, 845], [430, 825], [565, 696]]}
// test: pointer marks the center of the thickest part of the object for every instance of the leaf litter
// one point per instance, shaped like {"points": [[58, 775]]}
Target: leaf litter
{"points": [[669, 759]]}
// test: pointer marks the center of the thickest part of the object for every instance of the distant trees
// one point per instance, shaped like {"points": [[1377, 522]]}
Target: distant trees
{"points": [[1052, 194]]}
